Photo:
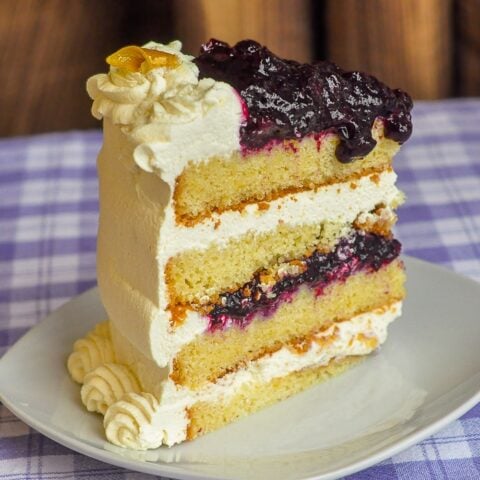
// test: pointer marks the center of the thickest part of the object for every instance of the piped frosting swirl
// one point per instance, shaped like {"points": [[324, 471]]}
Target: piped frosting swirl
{"points": [[161, 95], [170, 114], [106, 385], [128, 422], [90, 352]]}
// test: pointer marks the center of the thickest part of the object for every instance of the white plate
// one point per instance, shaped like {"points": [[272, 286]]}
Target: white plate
{"points": [[426, 375]]}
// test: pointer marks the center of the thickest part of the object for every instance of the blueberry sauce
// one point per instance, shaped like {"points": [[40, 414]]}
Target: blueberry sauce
{"points": [[360, 252], [289, 100]]}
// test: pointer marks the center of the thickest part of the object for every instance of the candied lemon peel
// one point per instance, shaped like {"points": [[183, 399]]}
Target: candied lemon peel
{"points": [[139, 59]]}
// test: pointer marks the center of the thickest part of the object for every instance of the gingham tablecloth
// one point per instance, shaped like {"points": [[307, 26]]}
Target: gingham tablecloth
{"points": [[48, 222]]}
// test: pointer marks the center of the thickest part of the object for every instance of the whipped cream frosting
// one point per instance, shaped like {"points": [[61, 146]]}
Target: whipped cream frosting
{"points": [[174, 117], [107, 384], [338, 203], [142, 419], [90, 352]]}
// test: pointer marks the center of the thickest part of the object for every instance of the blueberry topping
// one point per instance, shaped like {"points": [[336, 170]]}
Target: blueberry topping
{"points": [[290, 100]]}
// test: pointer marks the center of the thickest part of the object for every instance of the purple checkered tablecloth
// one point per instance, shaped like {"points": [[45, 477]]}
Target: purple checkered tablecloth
{"points": [[48, 222]]}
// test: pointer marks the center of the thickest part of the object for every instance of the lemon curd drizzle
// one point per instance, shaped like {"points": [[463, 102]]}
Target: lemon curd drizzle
{"points": [[138, 59]]}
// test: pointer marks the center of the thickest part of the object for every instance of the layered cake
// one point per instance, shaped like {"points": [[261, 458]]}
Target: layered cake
{"points": [[245, 249]]}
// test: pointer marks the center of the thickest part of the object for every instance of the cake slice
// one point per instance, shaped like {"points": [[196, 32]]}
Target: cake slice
{"points": [[245, 249]]}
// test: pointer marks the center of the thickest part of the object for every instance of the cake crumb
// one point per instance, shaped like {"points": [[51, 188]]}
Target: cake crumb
{"points": [[178, 314], [375, 178], [290, 146]]}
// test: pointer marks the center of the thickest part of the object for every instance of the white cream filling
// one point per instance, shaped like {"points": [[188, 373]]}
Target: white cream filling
{"points": [[337, 203], [166, 421]]}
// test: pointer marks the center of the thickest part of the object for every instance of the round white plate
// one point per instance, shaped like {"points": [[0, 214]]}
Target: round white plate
{"points": [[426, 375]]}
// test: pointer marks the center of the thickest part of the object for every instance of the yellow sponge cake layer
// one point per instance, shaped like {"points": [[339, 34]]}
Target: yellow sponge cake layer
{"points": [[264, 237], [211, 356], [195, 274], [147, 262], [206, 417], [220, 184]]}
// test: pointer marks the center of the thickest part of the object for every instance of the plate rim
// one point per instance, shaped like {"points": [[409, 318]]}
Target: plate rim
{"points": [[164, 468]]}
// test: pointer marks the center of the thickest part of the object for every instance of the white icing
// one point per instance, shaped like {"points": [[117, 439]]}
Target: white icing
{"points": [[174, 117], [90, 352], [128, 421], [143, 422], [106, 385]]}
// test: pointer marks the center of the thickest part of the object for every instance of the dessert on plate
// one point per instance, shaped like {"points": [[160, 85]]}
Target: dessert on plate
{"points": [[245, 249]]}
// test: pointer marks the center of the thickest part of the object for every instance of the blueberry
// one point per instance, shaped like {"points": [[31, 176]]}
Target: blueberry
{"points": [[361, 251]]}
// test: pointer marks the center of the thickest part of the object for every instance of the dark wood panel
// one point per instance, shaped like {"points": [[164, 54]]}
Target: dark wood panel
{"points": [[50, 48], [407, 43], [467, 44], [283, 25], [431, 48]]}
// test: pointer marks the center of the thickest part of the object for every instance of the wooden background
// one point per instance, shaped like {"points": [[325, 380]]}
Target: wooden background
{"points": [[431, 48]]}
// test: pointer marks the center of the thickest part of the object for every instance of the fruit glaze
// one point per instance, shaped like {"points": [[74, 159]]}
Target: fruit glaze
{"points": [[360, 252], [288, 100]]}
